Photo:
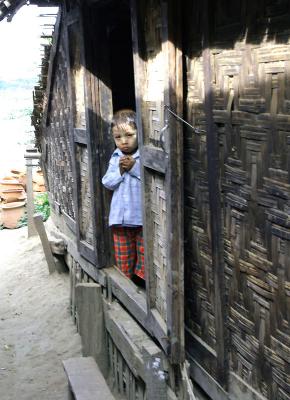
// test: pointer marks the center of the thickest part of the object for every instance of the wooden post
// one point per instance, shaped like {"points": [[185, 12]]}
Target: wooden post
{"points": [[215, 210], [30, 155], [30, 203], [156, 386], [39, 225], [91, 323]]}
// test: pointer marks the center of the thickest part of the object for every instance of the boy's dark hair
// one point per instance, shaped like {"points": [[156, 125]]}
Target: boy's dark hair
{"points": [[124, 117]]}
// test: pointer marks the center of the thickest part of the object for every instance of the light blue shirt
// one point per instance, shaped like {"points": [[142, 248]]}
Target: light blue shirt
{"points": [[126, 205]]}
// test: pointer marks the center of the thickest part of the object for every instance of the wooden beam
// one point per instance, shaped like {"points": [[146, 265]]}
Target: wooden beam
{"points": [[98, 113], [173, 96], [52, 67], [80, 136], [215, 210], [154, 158], [89, 306], [39, 225], [206, 381], [86, 381], [135, 302]]}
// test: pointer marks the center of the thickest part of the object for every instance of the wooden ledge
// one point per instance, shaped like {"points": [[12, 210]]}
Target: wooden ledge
{"points": [[86, 381]]}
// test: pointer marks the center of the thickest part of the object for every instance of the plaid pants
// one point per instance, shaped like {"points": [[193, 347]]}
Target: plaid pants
{"points": [[129, 250]]}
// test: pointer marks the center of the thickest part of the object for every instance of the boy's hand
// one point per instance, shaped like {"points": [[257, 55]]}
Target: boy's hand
{"points": [[126, 163]]}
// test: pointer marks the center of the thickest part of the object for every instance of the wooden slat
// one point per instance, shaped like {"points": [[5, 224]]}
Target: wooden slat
{"points": [[154, 158], [97, 274], [71, 130], [39, 225], [174, 183], [82, 154], [215, 209], [87, 251], [52, 66], [206, 381], [89, 306], [129, 295], [80, 136], [100, 111], [95, 101], [86, 380], [69, 221], [161, 175]]}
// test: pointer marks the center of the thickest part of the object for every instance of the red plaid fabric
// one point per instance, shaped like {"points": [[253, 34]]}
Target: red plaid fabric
{"points": [[129, 250]]}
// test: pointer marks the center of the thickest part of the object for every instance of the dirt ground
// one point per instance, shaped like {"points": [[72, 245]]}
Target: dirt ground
{"points": [[36, 329]]}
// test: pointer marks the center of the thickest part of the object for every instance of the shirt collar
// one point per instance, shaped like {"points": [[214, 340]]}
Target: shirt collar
{"points": [[118, 152]]}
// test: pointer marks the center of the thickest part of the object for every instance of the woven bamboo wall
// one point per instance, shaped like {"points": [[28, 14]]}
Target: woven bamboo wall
{"points": [[85, 219], [78, 114], [155, 183], [56, 141], [251, 87]]}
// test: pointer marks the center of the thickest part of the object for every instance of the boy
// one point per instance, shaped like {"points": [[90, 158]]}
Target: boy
{"points": [[123, 178]]}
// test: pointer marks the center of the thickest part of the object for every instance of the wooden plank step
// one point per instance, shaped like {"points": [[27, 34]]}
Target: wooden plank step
{"points": [[86, 381]]}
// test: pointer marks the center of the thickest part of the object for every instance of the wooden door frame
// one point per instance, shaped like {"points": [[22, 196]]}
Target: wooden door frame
{"points": [[88, 251], [170, 335]]}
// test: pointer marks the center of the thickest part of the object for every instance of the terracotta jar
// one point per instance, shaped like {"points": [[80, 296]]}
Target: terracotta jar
{"points": [[38, 188], [11, 195], [38, 178], [23, 180], [16, 171], [9, 184], [11, 213]]}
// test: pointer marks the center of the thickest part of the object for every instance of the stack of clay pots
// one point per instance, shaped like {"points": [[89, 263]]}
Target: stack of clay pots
{"points": [[13, 199]]}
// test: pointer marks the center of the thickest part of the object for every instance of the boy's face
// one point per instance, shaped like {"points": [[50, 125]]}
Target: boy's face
{"points": [[125, 138]]}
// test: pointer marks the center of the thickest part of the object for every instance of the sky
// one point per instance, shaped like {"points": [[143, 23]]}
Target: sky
{"points": [[20, 56], [20, 43]]}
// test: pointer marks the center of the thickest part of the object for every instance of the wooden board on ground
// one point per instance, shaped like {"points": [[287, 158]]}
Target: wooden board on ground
{"points": [[38, 223], [86, 381]]}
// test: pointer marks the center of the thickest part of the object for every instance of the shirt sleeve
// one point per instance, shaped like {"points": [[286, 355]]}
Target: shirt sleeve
{"points": [[112, 179], [135, 170]]}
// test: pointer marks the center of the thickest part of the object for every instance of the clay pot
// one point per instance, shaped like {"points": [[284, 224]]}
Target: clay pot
{"points": [[9, 184], [22, 179], [16, 171], [11, 213], [11, 195], [38, 188], [38, 178]]}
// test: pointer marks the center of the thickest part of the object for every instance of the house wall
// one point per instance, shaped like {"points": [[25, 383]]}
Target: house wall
{"points": [[56, 141], [236, 186], [249, 59]]}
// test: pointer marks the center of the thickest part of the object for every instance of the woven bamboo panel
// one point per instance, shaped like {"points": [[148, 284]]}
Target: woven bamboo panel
{"points": [[155, 58], [85, 221], [156, 123], [56, 141], [254, 145], [158, 233], [153, 120], [77, 75], [251, 87], [199, 288]]}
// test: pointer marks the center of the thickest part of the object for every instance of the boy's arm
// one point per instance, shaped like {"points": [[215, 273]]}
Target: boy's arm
{"points": [[135, 170], [112, 179]]}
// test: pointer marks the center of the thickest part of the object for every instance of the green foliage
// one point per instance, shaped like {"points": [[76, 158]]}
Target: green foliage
{"points": [[1, 227], [22, 221], [41, 205]]}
